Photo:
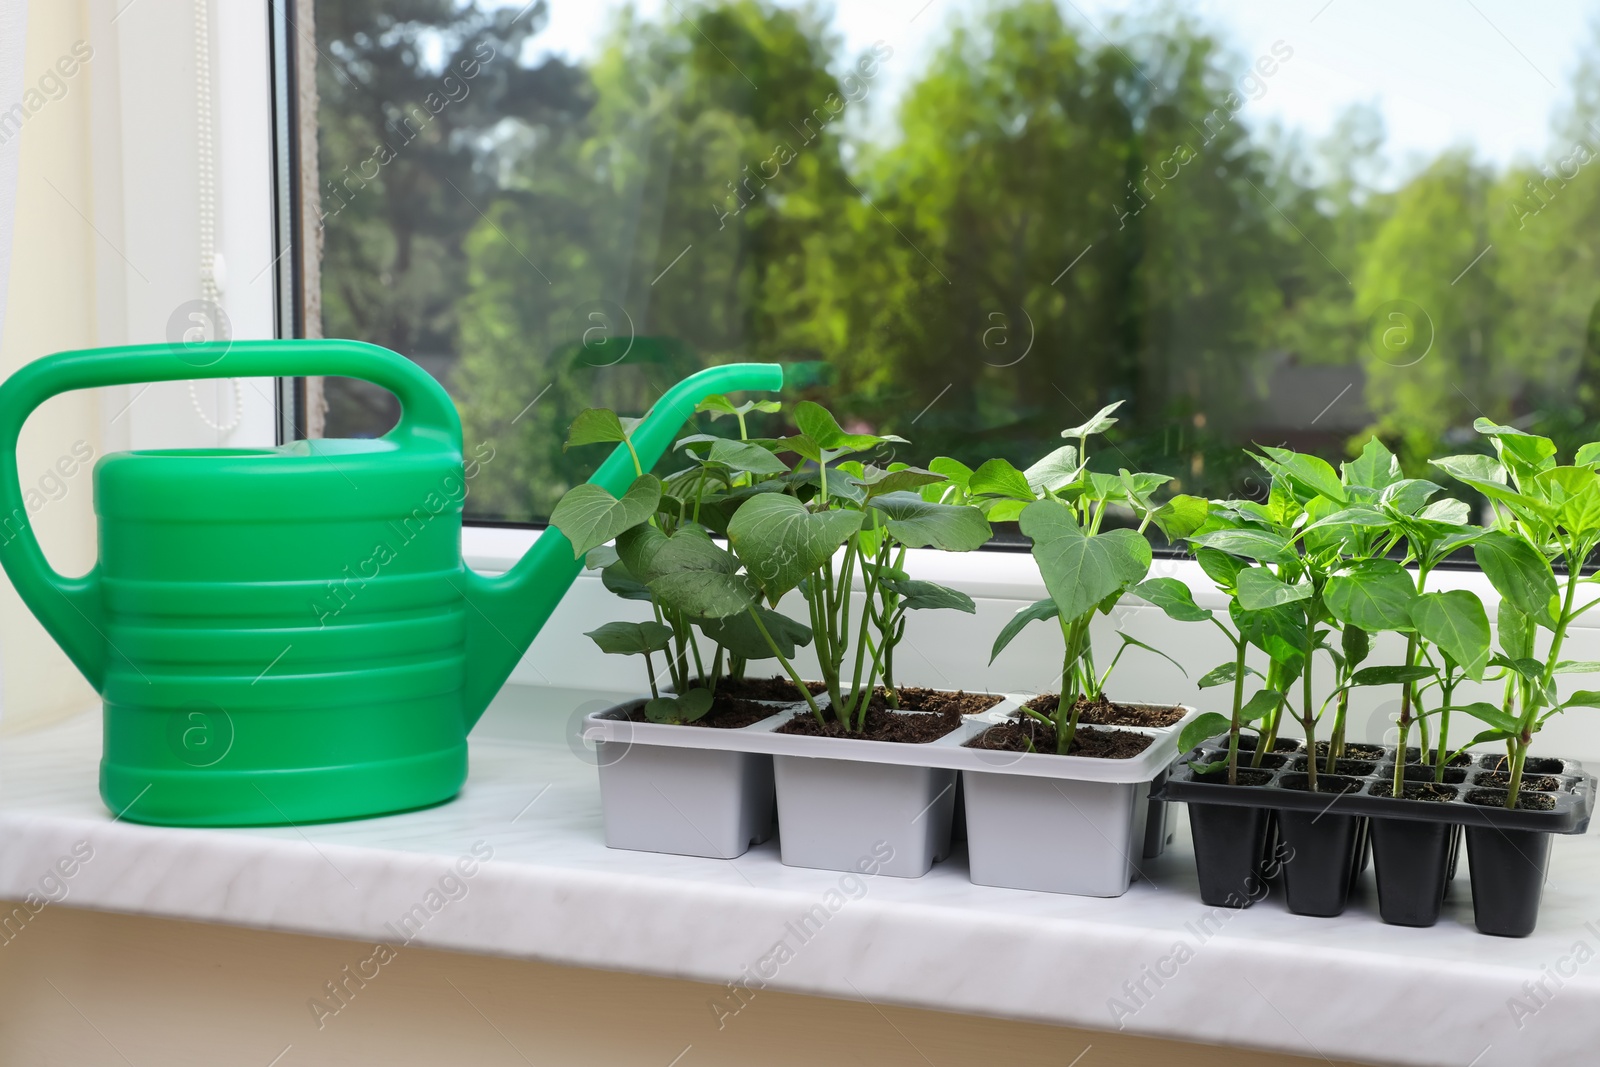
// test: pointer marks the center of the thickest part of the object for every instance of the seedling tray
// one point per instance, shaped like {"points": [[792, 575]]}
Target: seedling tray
{"points": [[1414, 842], [903, 795], [1574, 796]]}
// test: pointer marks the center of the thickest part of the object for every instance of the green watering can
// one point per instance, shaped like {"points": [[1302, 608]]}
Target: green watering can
{"points": [[288, 635]]}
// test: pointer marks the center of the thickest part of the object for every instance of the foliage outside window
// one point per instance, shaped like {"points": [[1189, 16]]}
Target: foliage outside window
{"points": [[1043, 221]]}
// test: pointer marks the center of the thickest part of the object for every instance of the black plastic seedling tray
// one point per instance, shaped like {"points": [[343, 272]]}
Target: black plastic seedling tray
{"points": [[1322, 836], [1574, 797]]}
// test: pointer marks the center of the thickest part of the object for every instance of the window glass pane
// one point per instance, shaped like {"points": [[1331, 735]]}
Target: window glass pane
{"points": [[971, 223]]}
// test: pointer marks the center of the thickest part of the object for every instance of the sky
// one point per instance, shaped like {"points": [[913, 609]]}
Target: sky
{"points": [[1490, 74]]}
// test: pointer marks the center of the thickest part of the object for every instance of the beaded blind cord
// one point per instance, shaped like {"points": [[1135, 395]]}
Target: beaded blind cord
{"points": [[206, 172]]}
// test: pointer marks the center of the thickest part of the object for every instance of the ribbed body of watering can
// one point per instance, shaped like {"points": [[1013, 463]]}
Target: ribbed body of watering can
{"points": [[286, 635]]}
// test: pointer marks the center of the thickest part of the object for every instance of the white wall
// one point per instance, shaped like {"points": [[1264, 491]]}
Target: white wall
{"points": [[106, 249]]}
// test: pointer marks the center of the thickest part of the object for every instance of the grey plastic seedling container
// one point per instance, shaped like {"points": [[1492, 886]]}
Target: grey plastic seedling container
{"points": [[685, 801], [839, 799]]}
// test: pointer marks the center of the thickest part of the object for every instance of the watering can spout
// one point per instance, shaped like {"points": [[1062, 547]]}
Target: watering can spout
{"points": [[509, 610]]}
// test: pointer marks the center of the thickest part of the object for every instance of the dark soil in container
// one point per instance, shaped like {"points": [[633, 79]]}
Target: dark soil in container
{"points": [[1103, 712], [1357, 767], [1538, 783], [964, 703], [1029, 735], [1283, 744], [774, 688], [910, 728], [1430, 791], [1529, 766], [1246, 777], [1354, 751], [1326, 783], [1496, 798], [1270, 761], [1418, 772], [727, 713]]}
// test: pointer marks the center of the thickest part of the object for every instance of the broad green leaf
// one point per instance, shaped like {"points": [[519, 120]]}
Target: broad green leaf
{"points": [[590, 516], [1099, 423], [1519, 573], [1356, 644], [1514, 631], [1000, 510], [1527, 452], [1574, 493], [598, 559], [1451, 512], [740, 636], [694, 576], [1582, 698], [1410, 495], [1181, 516], [998, 478], [1577, 666], [1493, 715], [1374, 594], [1361, 515], [1488, 476], [1310, 475], [1219, 566], [780, 541], [620, 581], [816, 422], [637, 549], [1035, 612], [902, 479], [916, 595], [741, 456], [1260, 588], [1252, 544], [1279, 631], [1588, 455], [1375, 468], [690, 548], [690, 707], [1472, 468], [631, 638], [952, 469], [915, 523], [1223, 674], [1203, 729], [595, 426], [1261, 705], [1398, 674], [1081, 571], [806, 448], [1060, 468], [1172, 597], [1456, 622]]}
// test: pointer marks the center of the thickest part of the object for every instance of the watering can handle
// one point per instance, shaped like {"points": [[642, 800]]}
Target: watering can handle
{"points": [[70, 608]]}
